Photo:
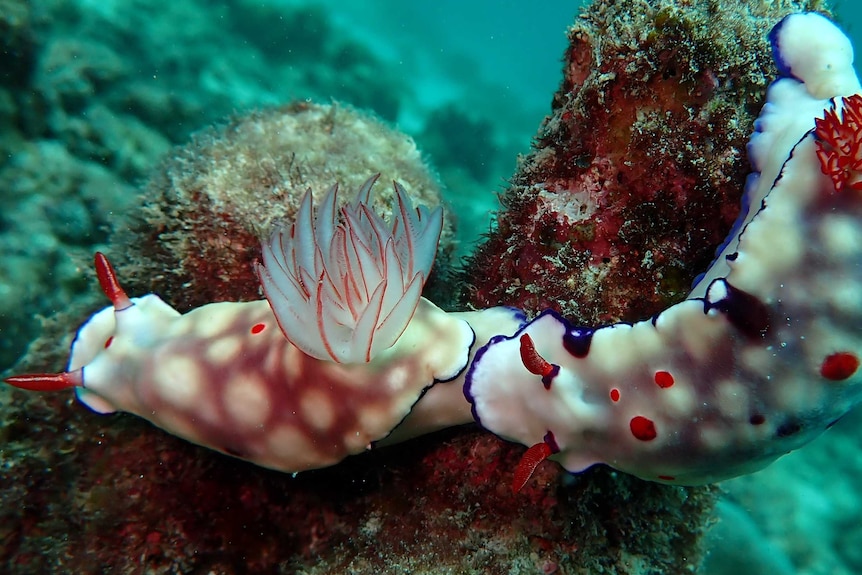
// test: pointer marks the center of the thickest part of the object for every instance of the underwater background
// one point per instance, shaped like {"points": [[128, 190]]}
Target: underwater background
{"points": [[94, 94]]}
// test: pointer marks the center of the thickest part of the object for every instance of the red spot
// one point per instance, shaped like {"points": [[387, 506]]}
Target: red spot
{"points": [[839, 366], [109, 341], [528, 464], [643, 428], [663, 379], [839, 144], [615, 395], [667, 477], [257, 328]]}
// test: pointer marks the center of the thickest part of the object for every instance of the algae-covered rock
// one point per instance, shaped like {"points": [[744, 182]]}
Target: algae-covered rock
{"points": [[636, 175], [207, 208]]}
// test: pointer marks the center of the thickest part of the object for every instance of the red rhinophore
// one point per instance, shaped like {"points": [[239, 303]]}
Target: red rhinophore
{"points": [[110, 285], [47, 381], [528, 464], [839, 366], [531, 359], [839, 144], [109, 341], [258, 327], [615, 395], [663, 379], [643, 428]]}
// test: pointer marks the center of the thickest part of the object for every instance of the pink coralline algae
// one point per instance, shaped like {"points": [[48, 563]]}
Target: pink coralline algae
{"points": [[636, 175], [207, 207]]}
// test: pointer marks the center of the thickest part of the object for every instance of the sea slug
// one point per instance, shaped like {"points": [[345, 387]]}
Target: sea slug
{"points": [[345, 355]]}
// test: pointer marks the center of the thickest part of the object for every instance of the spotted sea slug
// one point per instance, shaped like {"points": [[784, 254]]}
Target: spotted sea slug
{"points": [[327, 384], [344, 354]]}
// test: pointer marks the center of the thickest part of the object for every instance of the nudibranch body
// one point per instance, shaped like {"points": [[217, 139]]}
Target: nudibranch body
{"points": [[225, 376], [764, 354]]}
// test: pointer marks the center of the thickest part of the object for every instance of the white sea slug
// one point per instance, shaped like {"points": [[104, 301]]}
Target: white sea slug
{"points": [[762, 356], [344, 288]]}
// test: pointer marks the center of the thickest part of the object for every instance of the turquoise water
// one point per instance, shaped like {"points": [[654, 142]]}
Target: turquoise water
{"points": [[94, 93]]}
